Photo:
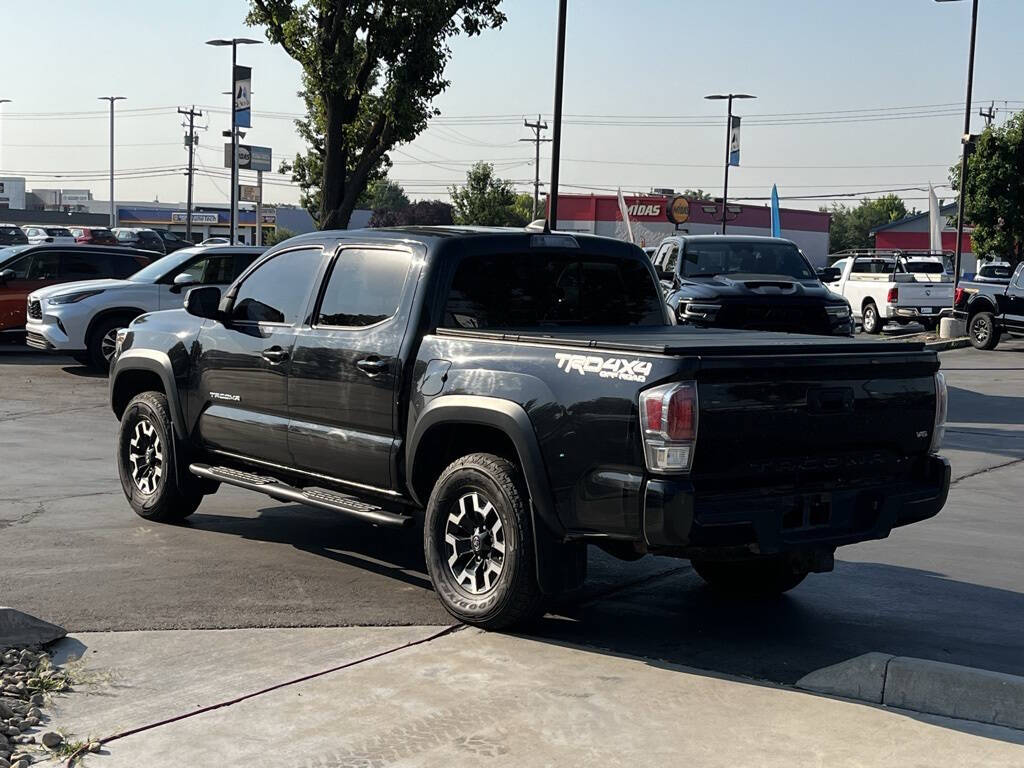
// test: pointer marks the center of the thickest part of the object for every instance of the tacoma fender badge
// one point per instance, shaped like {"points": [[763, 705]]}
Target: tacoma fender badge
{"points": [[225, 396], [605, 367]]}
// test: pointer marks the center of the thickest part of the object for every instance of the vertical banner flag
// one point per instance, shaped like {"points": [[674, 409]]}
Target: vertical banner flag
{"points": [[625, 215], [776, 222], [934, 221], [242, 92], [734, 141]]}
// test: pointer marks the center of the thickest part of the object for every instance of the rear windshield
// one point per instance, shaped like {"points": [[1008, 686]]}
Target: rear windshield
{"points": [[708, 259], [552, 289], [58, 232], [1003, 273], [924, 267]]}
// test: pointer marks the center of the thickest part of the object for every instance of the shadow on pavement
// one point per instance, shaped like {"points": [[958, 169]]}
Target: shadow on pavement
{"points": [[84, 372], [971, 406], [1001, 442]]}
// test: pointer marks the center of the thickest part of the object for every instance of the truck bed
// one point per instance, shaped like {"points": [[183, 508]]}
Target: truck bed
{"points": [[688, 340]]}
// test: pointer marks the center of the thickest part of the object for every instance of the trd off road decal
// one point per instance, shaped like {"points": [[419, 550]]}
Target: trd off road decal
{"points": [[605, 367]]}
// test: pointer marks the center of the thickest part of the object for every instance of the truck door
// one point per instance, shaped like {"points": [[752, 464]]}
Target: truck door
{"points": [[347, 368], [1014, 307], [242, 366]]}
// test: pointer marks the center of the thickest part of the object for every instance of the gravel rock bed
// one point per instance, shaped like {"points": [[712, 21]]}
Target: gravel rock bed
{"points": [[28, 679]]}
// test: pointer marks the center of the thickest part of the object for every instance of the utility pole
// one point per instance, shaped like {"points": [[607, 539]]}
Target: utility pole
{"points": [[989, 114], [191, 139], [113, 208], [537, 128], [728, 153]]}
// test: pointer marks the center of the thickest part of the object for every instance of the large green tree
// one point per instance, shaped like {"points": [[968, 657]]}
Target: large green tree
{"points": [[994, 199], [487, 200], [371, 69], [850, 226]]}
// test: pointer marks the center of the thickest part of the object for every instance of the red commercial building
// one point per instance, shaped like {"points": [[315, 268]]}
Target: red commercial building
{"points": [[599, 215], [911, 233]]}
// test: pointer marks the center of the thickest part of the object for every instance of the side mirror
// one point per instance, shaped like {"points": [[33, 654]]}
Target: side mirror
{"points": [[204, 302], [829, 274], [664, 274], [183, 281], [6, 276]]}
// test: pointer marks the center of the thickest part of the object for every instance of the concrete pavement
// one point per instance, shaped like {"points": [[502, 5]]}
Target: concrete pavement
{"points": [[469, 697]]}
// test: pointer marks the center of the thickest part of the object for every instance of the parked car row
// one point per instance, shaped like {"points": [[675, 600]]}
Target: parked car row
{"points": [[161, 241], [81, 319]]}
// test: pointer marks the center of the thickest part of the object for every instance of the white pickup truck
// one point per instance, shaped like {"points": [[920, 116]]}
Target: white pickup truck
{"points": [[891, 287]]}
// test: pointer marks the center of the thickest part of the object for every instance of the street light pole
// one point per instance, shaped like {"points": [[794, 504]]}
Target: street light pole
{"points": [[556, 133], [234, 43], [113, 208], [967, 141], [728, 135]]}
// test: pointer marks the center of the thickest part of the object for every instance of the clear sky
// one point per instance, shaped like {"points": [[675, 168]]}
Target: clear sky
{"points": [[641, 62]]}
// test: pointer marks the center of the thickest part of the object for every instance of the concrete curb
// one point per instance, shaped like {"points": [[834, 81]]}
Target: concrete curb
{"points": [[921, 685], [944, 344]]}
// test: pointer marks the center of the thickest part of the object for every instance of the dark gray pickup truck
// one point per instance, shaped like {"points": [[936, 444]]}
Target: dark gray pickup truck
{"points": [[993, 309], [523, 395]]}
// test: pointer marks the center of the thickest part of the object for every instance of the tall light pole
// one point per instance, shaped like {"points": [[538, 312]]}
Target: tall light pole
{"points": [[2, 102], [113, 210], [728, 134], [556, 140], [234, 43], [966, 140]]}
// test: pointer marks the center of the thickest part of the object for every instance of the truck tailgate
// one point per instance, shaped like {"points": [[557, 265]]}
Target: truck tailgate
{"points": [[775, 423], [924, 294]]}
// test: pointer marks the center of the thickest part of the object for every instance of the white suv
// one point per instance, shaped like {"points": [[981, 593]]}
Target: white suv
{"points": [[82, 319]]}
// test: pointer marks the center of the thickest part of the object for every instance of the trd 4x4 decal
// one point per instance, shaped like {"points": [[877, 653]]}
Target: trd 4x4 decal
{"points": [[605, 367]]}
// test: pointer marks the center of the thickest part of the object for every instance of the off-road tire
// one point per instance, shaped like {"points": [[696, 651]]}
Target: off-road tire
{"points": [[515, 596], [760, 577], [982, 331], [165, 502], [870, 320], [99, 338]]}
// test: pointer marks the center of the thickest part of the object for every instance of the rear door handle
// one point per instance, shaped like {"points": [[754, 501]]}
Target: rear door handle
{"points": [[372, 365], [275, 354]]}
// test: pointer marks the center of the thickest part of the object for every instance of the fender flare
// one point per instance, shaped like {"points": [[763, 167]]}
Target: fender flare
{"points": [[103, 314], [154, 362], [982, 303], [559, 564]]}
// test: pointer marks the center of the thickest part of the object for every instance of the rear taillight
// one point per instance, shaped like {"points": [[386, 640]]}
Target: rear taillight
{"points": [[941, 409], [893, 295], [958, 296], [668, 420]]}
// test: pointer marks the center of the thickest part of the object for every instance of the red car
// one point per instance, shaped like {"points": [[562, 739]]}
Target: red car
{"points": [[93, 235], [26, 268]]}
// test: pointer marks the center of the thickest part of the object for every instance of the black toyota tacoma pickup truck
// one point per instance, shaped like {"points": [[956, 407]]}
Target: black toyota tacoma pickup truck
{"points": [[992, 309], [748, 283], [524, 395]]}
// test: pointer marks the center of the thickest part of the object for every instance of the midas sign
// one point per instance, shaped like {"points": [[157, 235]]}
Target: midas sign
{"points": [[645, 209]]}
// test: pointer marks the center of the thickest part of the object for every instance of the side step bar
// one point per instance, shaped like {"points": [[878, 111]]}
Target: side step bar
{"points": [[314, 497]]}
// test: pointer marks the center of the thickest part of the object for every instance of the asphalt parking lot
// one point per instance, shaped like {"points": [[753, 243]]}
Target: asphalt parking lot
{"points": [[72, 552]]}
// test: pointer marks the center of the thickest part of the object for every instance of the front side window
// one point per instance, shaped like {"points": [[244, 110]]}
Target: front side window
{"points": [[365, 287], [1018, 276], [38, 266], [672, 258], [552, 289], [278, 290]]}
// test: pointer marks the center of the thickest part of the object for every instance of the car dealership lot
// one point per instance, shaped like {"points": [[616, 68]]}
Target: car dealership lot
{"points": [[949, 588]]}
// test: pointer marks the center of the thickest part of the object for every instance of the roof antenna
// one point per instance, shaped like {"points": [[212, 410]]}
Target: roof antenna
{"points": [[556, 134]]}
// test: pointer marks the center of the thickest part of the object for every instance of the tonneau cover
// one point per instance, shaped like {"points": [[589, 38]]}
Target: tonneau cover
{"points": [[688, 340]]}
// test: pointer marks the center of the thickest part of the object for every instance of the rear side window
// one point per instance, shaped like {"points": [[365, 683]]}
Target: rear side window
{"points": [[277, 290], [122, 266], [365, 287], [552, 289], [76, 266]]}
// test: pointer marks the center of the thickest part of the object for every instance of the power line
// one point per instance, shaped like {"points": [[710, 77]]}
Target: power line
{"points": [[536, 127]]}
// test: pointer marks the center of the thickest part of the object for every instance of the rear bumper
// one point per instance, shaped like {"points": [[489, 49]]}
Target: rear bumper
{"points": [[914, 313], [678, 518]]}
